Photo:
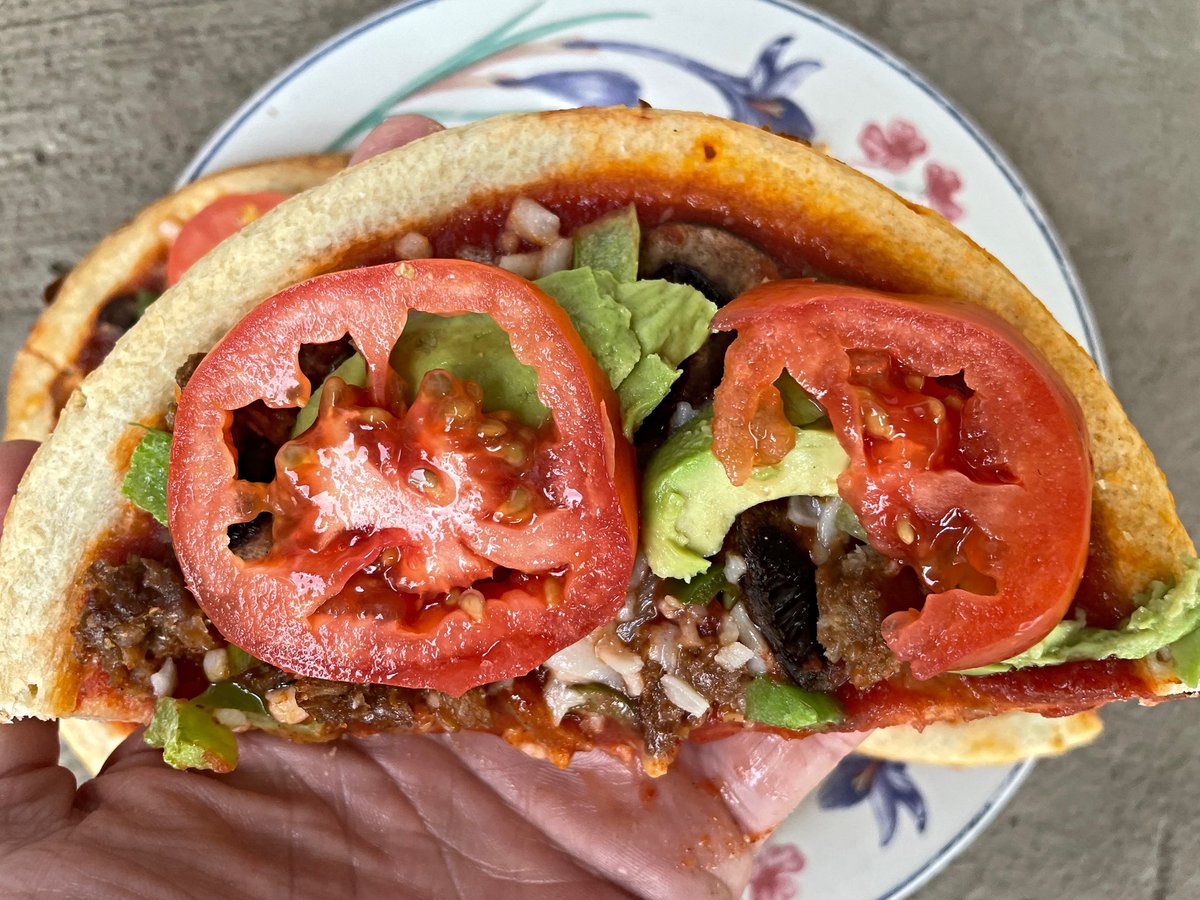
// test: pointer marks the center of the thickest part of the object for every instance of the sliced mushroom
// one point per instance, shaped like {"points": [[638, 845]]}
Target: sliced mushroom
{"points": [[779, 590], [716, 262]]}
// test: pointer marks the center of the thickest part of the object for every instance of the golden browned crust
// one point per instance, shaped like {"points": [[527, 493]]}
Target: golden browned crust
{"points": [[984, 742], [58, 336], [783, 192]]}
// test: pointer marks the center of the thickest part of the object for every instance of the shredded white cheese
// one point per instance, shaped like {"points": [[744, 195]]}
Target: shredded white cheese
{"points": [[685, 696]]}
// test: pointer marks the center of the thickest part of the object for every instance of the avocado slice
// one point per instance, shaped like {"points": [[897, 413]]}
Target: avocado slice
{"points": [[610, 244], [689, 504]]}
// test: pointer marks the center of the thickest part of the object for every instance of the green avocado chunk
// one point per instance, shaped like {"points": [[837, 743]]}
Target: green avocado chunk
{"points": [[352, 371], [639, 333], [610, 244], [646, 387], [146, 481], [670, 320], [689, 504], [798, 405], [1165, 616], [603, 324], [784, 705], [190, 738], [472, 347]]}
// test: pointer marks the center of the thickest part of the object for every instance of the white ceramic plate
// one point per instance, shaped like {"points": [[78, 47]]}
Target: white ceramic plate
{"points": [[873, 829]]}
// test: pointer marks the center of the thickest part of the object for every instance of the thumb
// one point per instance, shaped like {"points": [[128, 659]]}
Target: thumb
{"points": [[14, 458], [762, 777], [36, 794]]}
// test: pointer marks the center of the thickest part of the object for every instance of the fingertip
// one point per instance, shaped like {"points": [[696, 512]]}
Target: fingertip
{"points": [[392, 133], [14, 460]]}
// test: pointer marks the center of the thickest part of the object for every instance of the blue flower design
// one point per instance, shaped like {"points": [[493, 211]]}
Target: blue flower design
{"points": [[759, 97], [588, 87], [887, 785]]}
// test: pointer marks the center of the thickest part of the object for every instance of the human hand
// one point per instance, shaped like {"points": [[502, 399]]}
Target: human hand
{"points": [[461, 815], [458, 815]]}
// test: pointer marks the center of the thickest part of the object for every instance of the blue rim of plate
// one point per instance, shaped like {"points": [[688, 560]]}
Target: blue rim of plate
{"points": [[1019, 772]]}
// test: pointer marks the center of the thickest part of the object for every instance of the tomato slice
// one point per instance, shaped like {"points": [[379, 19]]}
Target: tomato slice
{"points": [[969, 459], [423, 545], [213, 224]]}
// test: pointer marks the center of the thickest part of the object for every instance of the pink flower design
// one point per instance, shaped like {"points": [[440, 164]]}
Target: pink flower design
{"points": [[893, 149], [773, 870], [941, 183]]}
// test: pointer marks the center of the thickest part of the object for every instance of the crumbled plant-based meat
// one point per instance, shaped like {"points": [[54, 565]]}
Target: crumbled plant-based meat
{"points": [[136, 616], [719, 685], [855, 591], [372, 706], [182, 376], [661, 719], [369, 707], [185, 372]]}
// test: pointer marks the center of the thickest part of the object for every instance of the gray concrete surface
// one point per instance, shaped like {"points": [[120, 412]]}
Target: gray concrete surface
{"points": [[102, 101]]}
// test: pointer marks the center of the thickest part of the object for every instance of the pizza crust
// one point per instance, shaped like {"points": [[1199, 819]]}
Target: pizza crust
{"points": [[65, 325], [995, 741], [783, 187]]}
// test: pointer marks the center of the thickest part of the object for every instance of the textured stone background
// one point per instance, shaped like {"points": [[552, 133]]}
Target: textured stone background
{"points": [[102, 102]]}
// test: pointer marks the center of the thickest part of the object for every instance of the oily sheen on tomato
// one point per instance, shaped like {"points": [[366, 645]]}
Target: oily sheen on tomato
{"points": [[968, 456], [424, 543], [217, 221]]}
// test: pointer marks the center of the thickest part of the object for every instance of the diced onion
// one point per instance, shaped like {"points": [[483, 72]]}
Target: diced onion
{"points": [[474, 254], [163, 681], [508, 242], [685, 696], [533, 222], [282, 705], [578, 664], [560, 698], [216, 664], [664, 646], [803, 511], [827, 530], [749, 635], [735, 567], [728, 632], [683, 413], [733, 656], [231, 718], [413, 245], [524, 264], [613, 653], [556, 257]]}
